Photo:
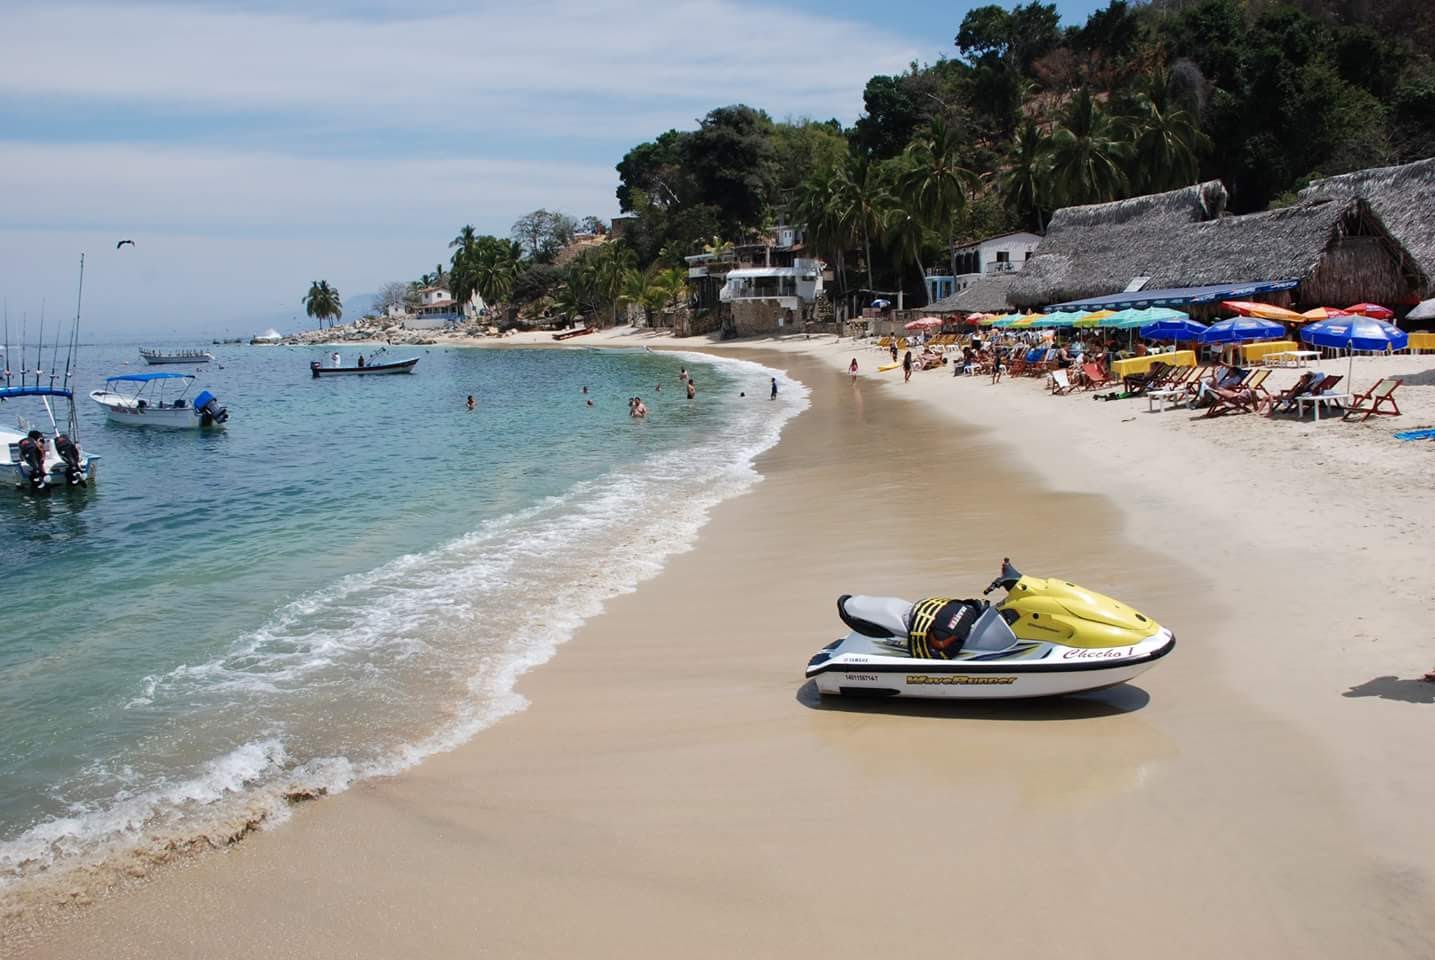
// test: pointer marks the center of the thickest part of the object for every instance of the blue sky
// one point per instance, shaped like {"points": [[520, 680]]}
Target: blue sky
{"points": [[250, 147]]}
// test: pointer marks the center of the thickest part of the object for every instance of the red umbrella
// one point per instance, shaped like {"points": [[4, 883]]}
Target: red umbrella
{"points": [[1373, 310], [925, 324], [1324, 313]]}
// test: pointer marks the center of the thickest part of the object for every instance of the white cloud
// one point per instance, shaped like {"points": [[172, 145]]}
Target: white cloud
{"points": [[291, 141]]}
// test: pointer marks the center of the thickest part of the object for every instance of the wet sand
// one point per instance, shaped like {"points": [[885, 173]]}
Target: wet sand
{"points": [[675, 789]]}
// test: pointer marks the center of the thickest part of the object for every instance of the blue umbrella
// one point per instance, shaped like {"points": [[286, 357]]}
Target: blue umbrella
{"points": [[1354, 333], [1172, 329], [1239, 329]]}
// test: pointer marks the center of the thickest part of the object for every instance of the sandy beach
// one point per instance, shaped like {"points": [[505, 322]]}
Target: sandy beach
{"points": [[675, 789]]}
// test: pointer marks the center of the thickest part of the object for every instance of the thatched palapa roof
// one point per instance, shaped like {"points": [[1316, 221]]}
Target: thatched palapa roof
{"points": [[1333, 247], [987, 295], [1089, 250], [1403, 196]]}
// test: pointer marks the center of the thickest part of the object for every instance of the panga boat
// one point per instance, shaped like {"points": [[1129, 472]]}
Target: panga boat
{"points": [[157, 357], [371, 369], [1047, 638], [39, 463], [158, 400]]}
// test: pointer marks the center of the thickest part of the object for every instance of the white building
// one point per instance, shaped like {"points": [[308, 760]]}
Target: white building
{"points": [[789, 287], [1007, 253], [436, 309]]}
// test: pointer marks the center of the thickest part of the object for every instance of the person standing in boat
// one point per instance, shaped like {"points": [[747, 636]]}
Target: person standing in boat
{"points": [[334, 359], [361, 361]]}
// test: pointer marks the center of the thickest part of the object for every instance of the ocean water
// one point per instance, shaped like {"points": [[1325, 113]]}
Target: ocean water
{"points": [[350, 577]]}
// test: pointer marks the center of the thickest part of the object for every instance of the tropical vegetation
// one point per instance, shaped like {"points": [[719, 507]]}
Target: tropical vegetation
{"points": [[322, 303], [1025, 117]]}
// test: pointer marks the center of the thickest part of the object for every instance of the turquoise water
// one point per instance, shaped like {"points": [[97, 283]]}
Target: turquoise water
{"points": [[349, 577]]}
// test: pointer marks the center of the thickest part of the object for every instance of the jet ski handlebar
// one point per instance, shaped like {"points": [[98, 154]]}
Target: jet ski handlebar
{"points": [[1008, 577]]}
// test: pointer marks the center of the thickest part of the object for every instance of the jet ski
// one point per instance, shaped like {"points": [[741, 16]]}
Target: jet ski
{"points": [[1047, 638]]}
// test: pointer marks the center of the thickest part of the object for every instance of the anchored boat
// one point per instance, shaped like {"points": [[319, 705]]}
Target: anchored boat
{"points": [[158, 357], [158, 400], [38, 462], [1047, 638], [371, 369]]}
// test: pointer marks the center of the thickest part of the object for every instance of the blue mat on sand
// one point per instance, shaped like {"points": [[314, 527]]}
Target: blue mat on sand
{"points": [[1426, 434]]}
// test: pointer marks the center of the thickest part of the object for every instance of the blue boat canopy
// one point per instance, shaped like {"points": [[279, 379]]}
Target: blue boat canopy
{"points": [[1176, 296], [7, 393], [147, 377]]}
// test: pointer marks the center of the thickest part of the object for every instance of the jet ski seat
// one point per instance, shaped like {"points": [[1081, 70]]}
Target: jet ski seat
{"points": [[878, 617]]}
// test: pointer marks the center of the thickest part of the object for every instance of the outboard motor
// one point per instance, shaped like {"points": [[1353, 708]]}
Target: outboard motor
{"points": [[207, 408], [32, 455], [69, 452], [314, 367]]}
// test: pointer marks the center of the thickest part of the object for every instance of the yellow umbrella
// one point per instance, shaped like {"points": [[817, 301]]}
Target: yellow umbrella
{"points": [[1028, 320], [1094, 319]]}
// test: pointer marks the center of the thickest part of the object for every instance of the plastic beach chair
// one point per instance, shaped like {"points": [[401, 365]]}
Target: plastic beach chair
{"points": [[1383, 393]]}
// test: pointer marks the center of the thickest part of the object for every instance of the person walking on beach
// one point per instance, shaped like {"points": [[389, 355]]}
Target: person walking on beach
{"points": [[773, 395], [692, 389], [852, 369], [471, 402], [894, 351], [907, 367]]}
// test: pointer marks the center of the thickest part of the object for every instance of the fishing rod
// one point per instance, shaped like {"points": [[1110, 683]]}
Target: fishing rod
{"points": [[75, 330], [40, 346], [7, 341], [54, 356]]}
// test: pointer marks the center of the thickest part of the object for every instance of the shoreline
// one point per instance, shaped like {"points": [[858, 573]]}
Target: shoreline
{"points": [[1271, 761]]}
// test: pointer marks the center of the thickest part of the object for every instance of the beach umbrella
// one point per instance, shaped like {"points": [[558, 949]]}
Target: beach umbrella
{"points": [[1324, 313], [1372, 310], [1028, 320], [1266, 311], [1425, 310], [926, 323], [1061, 318], [1241, 329], [975, 319], [1172, 329], [1093, 319], [1355, 333]]}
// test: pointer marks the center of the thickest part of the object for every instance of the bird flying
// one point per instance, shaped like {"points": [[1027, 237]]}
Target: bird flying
{"points": [[123, 242]]}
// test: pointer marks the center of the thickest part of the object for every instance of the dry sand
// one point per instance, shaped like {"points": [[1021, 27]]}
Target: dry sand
{"points": [[675, 790]]}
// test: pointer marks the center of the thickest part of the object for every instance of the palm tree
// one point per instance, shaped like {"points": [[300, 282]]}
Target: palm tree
{"points": [[906, 234], [466, 237], [932, 183], [1087, 159], [1025, 183], [1166, 139], [861, 201], [645, 288], [322, 303], [818, 207]]}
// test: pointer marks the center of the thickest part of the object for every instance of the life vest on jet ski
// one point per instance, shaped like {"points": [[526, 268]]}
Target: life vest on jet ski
{"points": [[939, 627], [70, 454]]}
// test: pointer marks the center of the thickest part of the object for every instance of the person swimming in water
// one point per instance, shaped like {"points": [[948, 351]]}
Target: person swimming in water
{"points": [[692, 389], [471, 402]]}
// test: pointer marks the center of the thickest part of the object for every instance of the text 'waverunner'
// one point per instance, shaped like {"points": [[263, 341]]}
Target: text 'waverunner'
{"points": [[1047, 638]]}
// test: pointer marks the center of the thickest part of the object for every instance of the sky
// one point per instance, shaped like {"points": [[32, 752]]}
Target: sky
{"points": [[249, 148]]}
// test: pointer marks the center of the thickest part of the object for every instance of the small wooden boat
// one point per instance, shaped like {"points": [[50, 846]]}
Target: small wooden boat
{"points": [[156, 357], [570, 334], [372, 369]]}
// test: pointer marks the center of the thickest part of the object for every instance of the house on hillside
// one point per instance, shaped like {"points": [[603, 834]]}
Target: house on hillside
{"points": [[758, 287], [436, 308], [998, 256], [1176, 249]]}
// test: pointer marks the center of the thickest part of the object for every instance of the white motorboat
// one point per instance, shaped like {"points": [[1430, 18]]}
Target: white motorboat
{"points": [[175, 357], [1048, 637], [158, 400], [38, 462]]}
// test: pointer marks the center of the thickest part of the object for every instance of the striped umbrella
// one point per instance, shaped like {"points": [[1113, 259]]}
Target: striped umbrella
{"points": [[1266, 311], [1324, 313]]}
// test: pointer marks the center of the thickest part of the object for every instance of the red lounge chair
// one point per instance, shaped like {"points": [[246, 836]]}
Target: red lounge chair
{"points": [[1095, 376], [1382, 393]]}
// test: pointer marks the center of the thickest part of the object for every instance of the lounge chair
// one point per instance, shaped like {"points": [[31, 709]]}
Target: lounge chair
{"points": [[1139, 383], [1247, 398], [1059, 383], [1093, 376], [1381, 394]]}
